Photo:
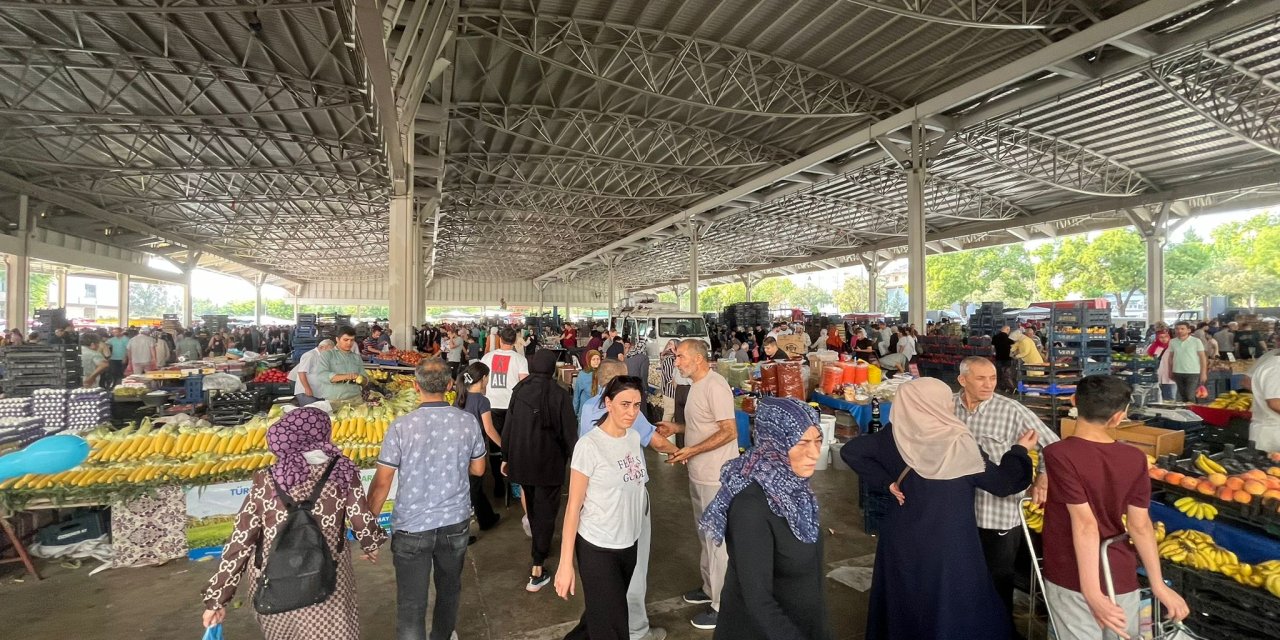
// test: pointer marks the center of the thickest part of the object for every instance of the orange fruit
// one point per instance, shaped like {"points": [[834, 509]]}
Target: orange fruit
{"points": [[1205, 487], [1272, 494], [1226, 494], [1189, 482], [1157, 473], [1235, 483], [1274, 471], [1218, 479], [1242, 497], [1173, 477], [1255, 474], [1255, 488]]}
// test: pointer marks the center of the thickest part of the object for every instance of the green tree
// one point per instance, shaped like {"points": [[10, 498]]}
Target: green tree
{"points": [[776, 291], [1187, 273], [715, 298], [956, 280], [38, 286], [1115, 263], [149, 300], [851, 295], [810, 297]]}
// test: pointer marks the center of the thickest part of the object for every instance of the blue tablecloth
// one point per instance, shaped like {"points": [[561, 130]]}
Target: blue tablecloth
{"points": [[1251, 547], [744, 428], [861, 412]]}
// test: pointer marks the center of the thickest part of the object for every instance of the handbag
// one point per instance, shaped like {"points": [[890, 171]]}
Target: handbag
{"points": [[213, 633]]}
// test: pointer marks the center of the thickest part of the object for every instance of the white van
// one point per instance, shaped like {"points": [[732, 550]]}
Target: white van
{"points": [[658, 323]]}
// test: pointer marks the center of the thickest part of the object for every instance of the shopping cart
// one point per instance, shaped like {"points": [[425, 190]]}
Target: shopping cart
{"points": [[1160, 629]]}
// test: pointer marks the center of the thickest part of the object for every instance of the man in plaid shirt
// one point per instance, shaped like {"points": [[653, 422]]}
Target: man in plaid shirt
{"points": [[996, 422]]}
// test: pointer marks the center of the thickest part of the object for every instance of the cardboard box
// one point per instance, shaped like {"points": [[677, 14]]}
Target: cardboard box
{"points": [[1153, 441], [792, 345]]}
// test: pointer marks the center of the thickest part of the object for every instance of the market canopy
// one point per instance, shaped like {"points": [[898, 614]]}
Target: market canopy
{"points": [[550, 141]]}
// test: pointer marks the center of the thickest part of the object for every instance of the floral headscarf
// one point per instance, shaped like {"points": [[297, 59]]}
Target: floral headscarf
{"points": [[298, 432], [780, 423]]}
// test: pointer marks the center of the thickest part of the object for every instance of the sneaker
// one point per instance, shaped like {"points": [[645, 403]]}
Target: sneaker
{"points": [[706, 619], [656, 633], [697, 596], [524, 522], [536, 583]]}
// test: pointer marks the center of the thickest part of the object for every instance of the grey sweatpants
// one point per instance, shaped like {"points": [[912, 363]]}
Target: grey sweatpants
{"points": [[1073, 620], [637, 615]]}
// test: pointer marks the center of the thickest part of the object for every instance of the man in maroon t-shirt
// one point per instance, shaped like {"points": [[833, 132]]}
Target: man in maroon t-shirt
{"points": [[1096, 482]]}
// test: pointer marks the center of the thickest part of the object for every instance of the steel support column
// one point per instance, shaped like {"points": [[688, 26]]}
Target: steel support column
{"points": [[1155, 233], [749, 283], [693, 266], [18, 273], [612, 287], [873, 277], [257, 299], [403, 278], [122, 280], [62, 288], [916, 177]]}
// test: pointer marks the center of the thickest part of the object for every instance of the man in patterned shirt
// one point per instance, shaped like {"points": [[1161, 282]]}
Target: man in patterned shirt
{"points": [[433, 448], [996, 422]]}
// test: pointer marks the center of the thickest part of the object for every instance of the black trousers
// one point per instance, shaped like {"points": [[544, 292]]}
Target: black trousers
{"points": [[1001, 549], [495, 454], [485, 514], [544, 504], [605, 576]]}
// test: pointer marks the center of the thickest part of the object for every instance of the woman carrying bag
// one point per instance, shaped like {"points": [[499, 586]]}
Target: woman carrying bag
{"points": [[304, 457]]}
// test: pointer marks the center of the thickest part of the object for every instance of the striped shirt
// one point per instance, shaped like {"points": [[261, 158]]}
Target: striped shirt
{"points": [[996, 424]]}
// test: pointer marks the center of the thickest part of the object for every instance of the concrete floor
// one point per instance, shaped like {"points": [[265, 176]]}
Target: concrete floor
{"points": [[163, 603]]}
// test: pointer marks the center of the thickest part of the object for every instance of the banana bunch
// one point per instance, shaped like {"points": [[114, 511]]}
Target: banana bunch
{"points": [[1233, 400], [1196, 509], [1270, 571], [1034, 514], [1197, 550], [1246, 574], [1161, 533], [1209, 465], [378, 375]]}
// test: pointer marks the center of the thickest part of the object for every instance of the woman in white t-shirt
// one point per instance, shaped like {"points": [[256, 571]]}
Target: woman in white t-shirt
{"points": [[607, 504]]}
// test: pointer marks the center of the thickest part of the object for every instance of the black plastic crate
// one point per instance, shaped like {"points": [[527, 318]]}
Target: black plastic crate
{"points": [[86, 525]]}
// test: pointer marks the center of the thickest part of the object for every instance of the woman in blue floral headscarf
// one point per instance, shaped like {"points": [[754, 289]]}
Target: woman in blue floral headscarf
{"points": [[768, 516]]}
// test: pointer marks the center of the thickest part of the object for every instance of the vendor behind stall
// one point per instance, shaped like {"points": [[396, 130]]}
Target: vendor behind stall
{"points": [[188, 348], [377, 341], [92, 362], [1264, 378], [303, 389], [338, 370]]}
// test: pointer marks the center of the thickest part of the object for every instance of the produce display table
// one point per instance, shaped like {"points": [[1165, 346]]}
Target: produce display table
{"points": [[861, 412], [1250, 546]]}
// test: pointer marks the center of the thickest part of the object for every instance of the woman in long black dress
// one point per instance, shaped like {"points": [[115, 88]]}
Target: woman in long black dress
{"points": [[931, 579], [767, 514]]}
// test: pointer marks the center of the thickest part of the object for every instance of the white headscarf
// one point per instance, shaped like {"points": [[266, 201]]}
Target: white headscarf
{"points": [[930, 438]]}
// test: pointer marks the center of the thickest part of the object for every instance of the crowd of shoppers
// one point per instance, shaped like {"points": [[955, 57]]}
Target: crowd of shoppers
{"points": [[957, 464]]}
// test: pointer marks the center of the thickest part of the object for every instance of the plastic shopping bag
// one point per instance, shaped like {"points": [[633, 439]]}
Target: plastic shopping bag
{"points": [[213, 633]]}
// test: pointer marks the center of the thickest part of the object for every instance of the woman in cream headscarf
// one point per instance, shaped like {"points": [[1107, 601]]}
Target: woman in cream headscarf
{"points": [[931, 579]]}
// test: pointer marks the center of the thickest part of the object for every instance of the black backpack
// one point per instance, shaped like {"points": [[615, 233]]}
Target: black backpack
{"points": [[301, 571]]}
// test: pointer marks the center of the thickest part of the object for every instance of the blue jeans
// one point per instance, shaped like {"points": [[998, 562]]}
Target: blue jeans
{"points": [[414, 555]]}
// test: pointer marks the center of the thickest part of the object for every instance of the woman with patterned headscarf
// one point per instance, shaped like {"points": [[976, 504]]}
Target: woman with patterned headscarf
{"points": [[930, 579], [304, 455], [767, 515]]}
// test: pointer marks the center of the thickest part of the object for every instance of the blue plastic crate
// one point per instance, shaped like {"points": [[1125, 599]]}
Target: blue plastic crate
{"points": [[192, 390]]}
